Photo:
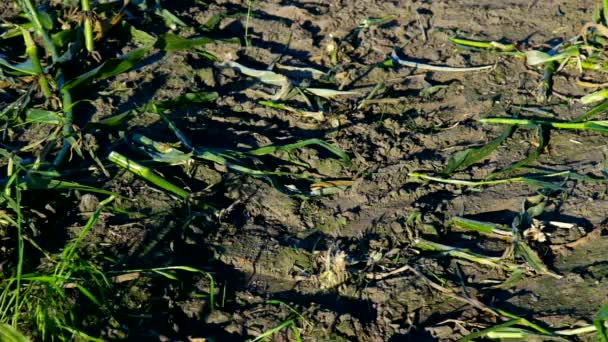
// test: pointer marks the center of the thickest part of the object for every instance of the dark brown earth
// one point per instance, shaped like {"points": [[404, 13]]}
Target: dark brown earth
{"points": [[267, 245]]}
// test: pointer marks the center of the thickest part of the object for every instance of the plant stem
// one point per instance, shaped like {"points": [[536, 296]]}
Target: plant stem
{"points": [[88, 27], [48, 43], [65, 94]]}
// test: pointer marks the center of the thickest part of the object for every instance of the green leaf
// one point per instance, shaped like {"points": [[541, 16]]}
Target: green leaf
{"points": [[110, 67], [598, 322], [64, 37], [112, 121], [532, 258], [39, 183], [139, 36], [170, 19], [172, 42], [25, 68], [160, 152], [10, 334], [543, 140], [87, 294], [166, 275], [599, 109], [470, 156], [43, 116], [286, 148], [213, 23], [482, 227], [542, 184]]}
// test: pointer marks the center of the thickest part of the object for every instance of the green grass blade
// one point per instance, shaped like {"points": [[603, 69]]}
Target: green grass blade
{"points": [[273, 331], [110, 67], [532, 259], [303, 143], [35, 115], [441, 68], [171, 42], [24, 68], [479, 226], [543, 140], [39, 183], [600, 318], [463, 159], [591, 113], [10, 334], [147, 174], [160, 152]]}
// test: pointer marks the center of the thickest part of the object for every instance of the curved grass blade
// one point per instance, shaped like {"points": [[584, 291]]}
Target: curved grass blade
{"points": [[599, 109], [535, 57], [600, 318], [543, 141], [600, 126], [286, 148], [492, 46], [43, 116], [527, 180], [463, 159], [264, 76], [24, 68], [109, 68], [171, 42], [161, 152], [442, 68], [10, 334], [318, 116], [147, 174], [39, 183]]}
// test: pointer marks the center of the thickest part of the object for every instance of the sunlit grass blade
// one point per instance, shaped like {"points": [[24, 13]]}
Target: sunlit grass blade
{"points": [[330, 93], [591, 113], [596, 96], [171, 42], [460, 253], [35, 115], [264, 76], [161, 152], [303, 143], [470, 156], [270, 332], [532, 259], [600, 126], [527, 180], [305, 114], [535, 57], [441, 68], [487, 228], [508, 331], [492, 46], [600, 323], [109, 68], [543, 140], [10, 334], [147, 174]]}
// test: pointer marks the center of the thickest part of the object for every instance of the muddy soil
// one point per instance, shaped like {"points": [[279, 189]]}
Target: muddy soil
{"points": [[330, 257]]}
